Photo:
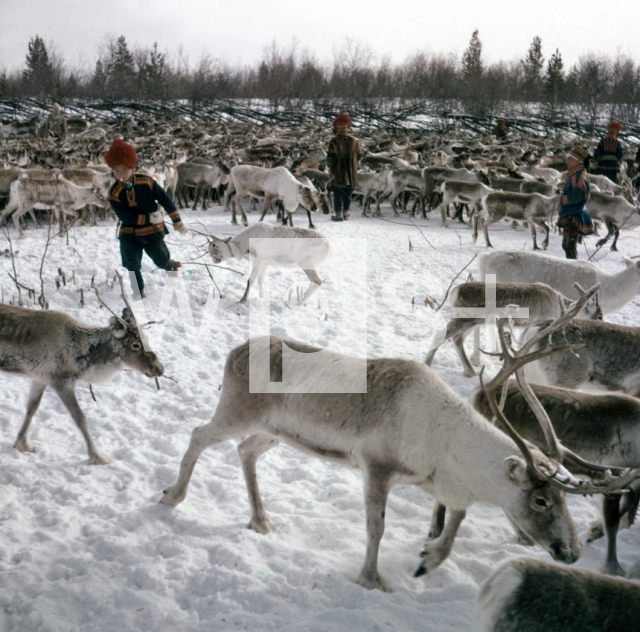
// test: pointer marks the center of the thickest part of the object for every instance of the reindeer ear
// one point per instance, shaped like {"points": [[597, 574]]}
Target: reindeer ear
{"points": [[516, 469], [227, 240], [117, 328]]}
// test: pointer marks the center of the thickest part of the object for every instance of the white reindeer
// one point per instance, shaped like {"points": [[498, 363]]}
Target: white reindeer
{"points": [[55, 192], [520, 266], [303, 248], [408, 427], [461, 192], [269, 184]]}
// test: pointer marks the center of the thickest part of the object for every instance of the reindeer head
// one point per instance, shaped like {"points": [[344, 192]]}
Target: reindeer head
{"points": [[132, 343], [306, 197], [219, 249], [539, 509]]}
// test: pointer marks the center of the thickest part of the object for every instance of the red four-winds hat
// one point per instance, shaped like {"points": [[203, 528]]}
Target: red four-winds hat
{"points": [[121, 153], [341, 119]]}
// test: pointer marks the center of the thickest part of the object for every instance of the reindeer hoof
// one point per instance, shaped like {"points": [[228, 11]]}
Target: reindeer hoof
{"points": [[371, 583], [261, 526], [613, 569], [24, 445], [169, 499], [99, 459]]}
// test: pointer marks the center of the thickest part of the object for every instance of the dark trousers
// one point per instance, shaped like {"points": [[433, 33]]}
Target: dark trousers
{"points": [[132, 247], [341, 199], [612, 174], [569, 242]]}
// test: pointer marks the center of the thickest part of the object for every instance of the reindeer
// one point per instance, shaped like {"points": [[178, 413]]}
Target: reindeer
{"points": [[269, 184], [407, 427], [527, 595], [53, 349], [461, 192], [532, 208], [520, 266], [542, 301], [601, 428], [304, 248], [609, 359], [616, 212]]}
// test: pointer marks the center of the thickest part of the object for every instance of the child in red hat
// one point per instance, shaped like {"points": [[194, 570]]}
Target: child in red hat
{"points": [[134, 199]]}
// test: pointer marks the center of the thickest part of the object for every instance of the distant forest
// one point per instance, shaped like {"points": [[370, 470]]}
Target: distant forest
{"points": [[593, 88]]}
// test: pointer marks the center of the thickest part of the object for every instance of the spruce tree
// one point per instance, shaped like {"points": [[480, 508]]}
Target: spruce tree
{"points": [[554, 79], [38, 74], [533, 64]]}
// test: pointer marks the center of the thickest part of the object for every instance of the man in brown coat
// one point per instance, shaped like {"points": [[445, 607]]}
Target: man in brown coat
{"points": [[342, 160]]}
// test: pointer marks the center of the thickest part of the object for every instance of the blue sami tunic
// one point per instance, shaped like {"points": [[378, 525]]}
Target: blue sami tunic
{"points": [[573, 203], [134, 205]]}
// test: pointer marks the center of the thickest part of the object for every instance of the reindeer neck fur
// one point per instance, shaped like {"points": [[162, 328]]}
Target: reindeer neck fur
{"points": [[618, 289], [99, 356], [471, 458]]}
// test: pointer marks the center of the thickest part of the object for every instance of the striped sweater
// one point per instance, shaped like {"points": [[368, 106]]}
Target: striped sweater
{"points": [[134, 205], [608, 155]]}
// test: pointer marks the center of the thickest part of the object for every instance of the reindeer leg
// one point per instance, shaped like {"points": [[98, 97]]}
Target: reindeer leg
{"points": [[68, 398], [201, 438], [255, 274], [22, 443], [437, 520], [611, 514], [250, 451], [630, 506], [437, 551], [475, 356], [316, 282], [377, 484], [485, 230], [532, 230], [616, 234]]}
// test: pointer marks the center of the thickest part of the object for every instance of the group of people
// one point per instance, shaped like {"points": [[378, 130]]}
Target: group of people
{"points": [[134, 197], [575, 220]]}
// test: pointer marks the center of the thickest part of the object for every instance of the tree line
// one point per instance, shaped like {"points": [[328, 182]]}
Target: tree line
{"points": [[287, 77]]}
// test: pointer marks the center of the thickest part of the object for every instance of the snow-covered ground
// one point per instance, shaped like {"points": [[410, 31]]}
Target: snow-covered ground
{"points": [[89, 548]]}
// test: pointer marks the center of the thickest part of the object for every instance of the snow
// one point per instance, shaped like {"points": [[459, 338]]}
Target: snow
{"points": [[89, 548]]}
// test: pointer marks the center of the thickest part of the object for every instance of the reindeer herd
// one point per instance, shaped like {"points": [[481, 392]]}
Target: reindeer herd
{"points": [[514, 444]]}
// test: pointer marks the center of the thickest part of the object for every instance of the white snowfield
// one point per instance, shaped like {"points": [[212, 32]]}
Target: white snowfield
{"points": [[89, 548]]}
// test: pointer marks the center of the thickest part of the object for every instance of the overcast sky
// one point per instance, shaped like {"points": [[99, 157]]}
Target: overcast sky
{"points": [[238, 30]]}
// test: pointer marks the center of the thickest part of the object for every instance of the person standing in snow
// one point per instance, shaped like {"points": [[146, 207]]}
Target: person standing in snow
{"points": [[500, 130], [55, 125], [608, 153], [575, 220], [134, 199], [342, 160]]}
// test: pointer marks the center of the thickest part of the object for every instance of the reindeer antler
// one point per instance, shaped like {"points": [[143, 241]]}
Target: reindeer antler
{"points": [[124, 298], [615, 479]]}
